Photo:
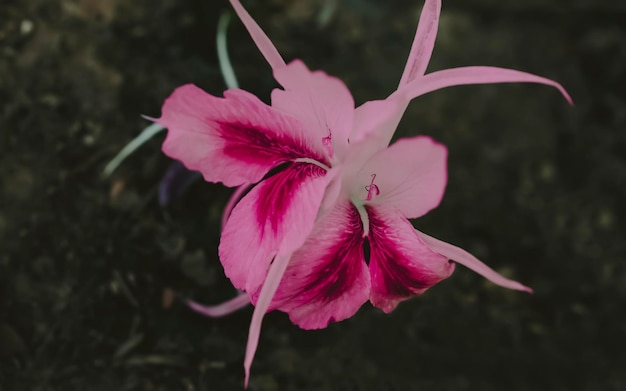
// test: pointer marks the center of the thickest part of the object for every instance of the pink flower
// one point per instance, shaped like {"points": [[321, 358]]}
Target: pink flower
{"points": [[296, 241], [329, 277]]}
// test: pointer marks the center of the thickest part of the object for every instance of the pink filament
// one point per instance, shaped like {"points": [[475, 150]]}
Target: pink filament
{"points": [[372, 189]]}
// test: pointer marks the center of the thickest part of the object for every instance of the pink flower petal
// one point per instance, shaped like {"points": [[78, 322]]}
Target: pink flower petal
{"points": [[277, 212], [410, 175], [322, 102], [266, 47], [466, 259], [377, 121], [274, 275], [374, 125], [327, 279], [473, 75], [401, 265], [234, 140], [423, 43]]}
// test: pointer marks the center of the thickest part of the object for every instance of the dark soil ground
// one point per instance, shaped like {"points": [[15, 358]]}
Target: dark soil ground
{"points": [[537, 189]]}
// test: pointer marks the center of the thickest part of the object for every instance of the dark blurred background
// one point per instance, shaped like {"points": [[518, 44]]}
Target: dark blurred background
{"points": [[536, 190]]}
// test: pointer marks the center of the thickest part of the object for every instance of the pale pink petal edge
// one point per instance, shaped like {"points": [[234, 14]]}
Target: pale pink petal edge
{"points": [[473, 75], [222, 309], [466, 259], [423, 43], [274, 275], [262, 41]]}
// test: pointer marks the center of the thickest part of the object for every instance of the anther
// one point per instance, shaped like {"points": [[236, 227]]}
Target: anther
{"points": [[372, 189], [326, 141]]}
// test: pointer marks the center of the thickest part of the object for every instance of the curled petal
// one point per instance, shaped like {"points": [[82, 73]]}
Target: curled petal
{"points": [[401, 264], [234, 140], [277, 212], [222, 309], [266, 47], [327, 279], [410, 175], [322, 102], [423, 43], [466, 259], [473, 75]]}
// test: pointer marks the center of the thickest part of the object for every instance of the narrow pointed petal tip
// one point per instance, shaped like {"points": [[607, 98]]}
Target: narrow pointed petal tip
{"points": [[466, 259], [474, 75], [274, 275], [423, 43], [262, 41], [222, 309]]}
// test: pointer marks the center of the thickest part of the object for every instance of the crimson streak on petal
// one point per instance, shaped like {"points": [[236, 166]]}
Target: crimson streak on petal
{"points": [[279, 191], [258, 145], [330, 278], [236, 139], [277, 213], [327, 279], [401, 265]]}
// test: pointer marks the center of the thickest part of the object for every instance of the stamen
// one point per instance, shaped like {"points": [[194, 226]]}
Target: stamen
{"points": [[327, 142], [372, 189]]}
